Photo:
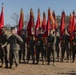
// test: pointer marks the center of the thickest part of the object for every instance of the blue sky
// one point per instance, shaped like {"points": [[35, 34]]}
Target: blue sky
{"points": [[11, 6]]}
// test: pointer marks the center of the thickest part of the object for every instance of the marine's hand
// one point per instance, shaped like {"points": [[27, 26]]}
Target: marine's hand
{"points": [[2, 46]]}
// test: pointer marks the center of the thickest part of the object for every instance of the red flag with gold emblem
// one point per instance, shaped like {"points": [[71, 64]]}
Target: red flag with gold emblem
{"points": [[38, 24], [48, 26]]}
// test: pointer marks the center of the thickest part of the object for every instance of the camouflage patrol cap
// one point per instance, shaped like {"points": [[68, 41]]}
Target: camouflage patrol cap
{"points": [[12, 28]]}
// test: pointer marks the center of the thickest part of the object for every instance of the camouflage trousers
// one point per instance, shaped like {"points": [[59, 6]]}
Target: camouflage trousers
{"points": [[3, 56], [14, 55]]}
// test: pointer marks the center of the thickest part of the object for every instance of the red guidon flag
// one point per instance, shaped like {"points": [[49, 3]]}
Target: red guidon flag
{"points": [[72, 25], [75, 25], [30, 27], [20, 25], [74, 22], [48, 26], [52, 21], [2, 18], [44, 22], [62, 27], [38, 24], [70, 28], [55, 24]]}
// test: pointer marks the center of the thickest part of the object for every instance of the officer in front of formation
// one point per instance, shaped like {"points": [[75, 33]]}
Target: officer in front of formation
{"points": [[65, 44], [39, 46], [50, 45], [31, 48], [3, 51], [14, 40], [74, 47], [22, 46]]}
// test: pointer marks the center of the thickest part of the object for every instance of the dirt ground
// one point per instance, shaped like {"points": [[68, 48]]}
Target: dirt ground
{"points": [[59, 68]]}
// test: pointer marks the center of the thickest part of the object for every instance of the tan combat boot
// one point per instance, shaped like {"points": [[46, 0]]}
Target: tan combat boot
{"points": [[2, 65]]}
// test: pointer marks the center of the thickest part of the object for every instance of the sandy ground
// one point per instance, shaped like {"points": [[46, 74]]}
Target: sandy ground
{"points": [[60, 68]]}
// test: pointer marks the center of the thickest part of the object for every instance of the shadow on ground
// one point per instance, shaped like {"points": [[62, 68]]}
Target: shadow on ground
{"points": [[68, 73]]}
